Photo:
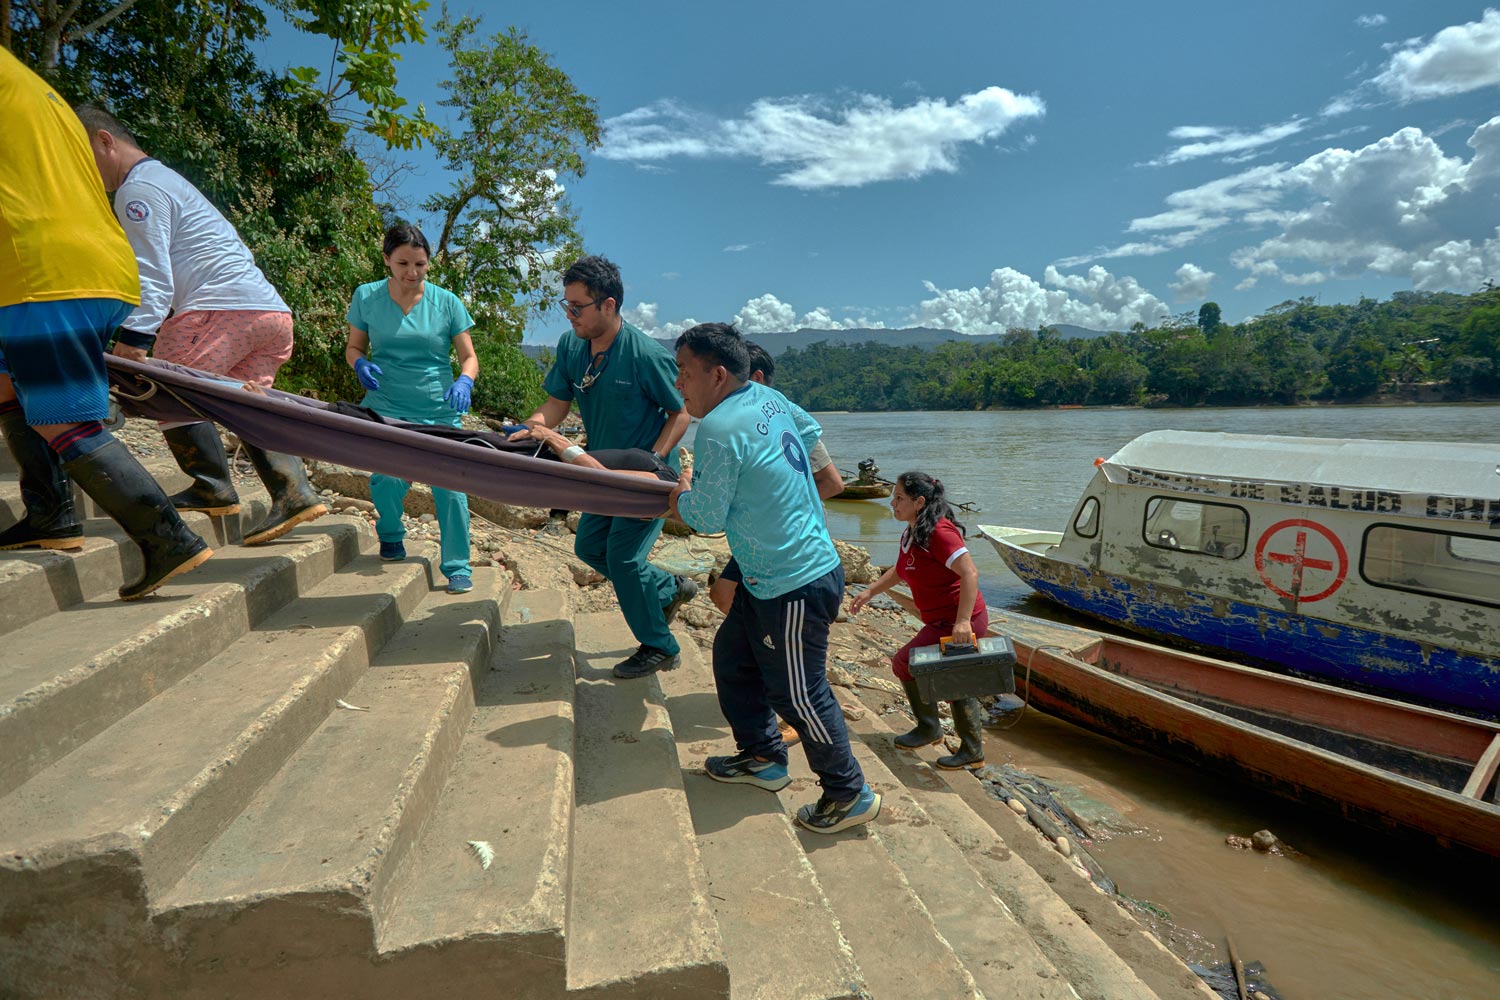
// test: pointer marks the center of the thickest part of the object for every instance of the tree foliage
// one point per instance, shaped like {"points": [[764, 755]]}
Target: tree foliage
{"points": [[274, 152], [507, 228]]}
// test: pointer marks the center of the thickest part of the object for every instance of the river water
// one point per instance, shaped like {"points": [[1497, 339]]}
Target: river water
{"points": [[1348, 916]]}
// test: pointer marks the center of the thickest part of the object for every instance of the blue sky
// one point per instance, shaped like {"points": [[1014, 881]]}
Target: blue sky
{"points": [[979, 166]]}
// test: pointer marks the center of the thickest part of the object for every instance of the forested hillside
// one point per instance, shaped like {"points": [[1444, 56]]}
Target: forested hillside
{"points": [[1296, 352]]}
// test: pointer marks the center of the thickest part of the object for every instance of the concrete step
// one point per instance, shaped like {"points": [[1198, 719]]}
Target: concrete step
{"points": [[89, 841], [1034, 881], [35, 582], [896, 939], [957, 864], [312, 855], [67, 676], [639, 920], [499, 931], [764, 891]]}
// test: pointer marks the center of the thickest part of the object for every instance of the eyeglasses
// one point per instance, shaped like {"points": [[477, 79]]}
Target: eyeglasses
{"points": [[577, 310], [591, 374]]}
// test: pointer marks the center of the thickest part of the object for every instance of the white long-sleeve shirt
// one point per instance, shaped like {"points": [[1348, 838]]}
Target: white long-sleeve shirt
{"points": [[189, 255]]}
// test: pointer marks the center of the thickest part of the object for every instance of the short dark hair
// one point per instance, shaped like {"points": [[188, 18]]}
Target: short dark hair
{"points": [[760, 361], [718, 344], [96, 119], [599, 275], [404, 234]]}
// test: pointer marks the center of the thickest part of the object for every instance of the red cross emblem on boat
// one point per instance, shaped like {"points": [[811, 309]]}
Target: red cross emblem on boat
{"points": [[1304, 546]]}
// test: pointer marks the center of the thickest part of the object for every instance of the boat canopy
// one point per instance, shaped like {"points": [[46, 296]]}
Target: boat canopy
{"points": [[1427, 479]]}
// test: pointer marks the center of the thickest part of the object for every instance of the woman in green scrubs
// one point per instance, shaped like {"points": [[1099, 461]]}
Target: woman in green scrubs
{"points": [[402, 331]]}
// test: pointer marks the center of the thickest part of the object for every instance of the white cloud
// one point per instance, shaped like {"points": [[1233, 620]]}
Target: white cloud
{"points": [[816, 144], [643, 316], [1456, 60], [1192, 282], [1398, 206], [1370, 20], [1012, 299], [738, 247], [1212, 140], [766, 314]]}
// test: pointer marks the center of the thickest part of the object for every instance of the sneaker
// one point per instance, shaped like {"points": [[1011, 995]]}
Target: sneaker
{"points": [[687, 589], [788, 734], [829, 816], [748, 769], [646, 660], [459, 583], [392, 551]]}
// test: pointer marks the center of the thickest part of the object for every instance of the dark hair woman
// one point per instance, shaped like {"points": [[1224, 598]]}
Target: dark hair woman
{"points": [[402, 332], [934, 562]]}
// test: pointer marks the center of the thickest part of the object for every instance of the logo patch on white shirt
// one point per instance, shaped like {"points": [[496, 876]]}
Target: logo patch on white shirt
{"points": [[137, 211]]}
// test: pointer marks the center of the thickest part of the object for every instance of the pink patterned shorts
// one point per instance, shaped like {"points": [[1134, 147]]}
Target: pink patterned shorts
{"points": [[243, 344]]}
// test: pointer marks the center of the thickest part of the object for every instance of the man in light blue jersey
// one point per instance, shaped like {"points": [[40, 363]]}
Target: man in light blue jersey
{"points": [[752, 481]]}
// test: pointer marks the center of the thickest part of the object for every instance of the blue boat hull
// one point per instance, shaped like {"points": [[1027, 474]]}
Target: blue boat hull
{"points": [[1316, 648]]}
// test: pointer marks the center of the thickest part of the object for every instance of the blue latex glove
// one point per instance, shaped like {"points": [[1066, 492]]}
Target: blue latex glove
{"points": [[459, 394], [366, 371]]}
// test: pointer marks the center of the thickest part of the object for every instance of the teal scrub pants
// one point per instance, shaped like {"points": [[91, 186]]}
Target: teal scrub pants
{"points": [[388, 494], [617, 547]]}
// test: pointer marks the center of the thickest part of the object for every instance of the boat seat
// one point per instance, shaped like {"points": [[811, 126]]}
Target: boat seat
{"points": [[1483, 778]]}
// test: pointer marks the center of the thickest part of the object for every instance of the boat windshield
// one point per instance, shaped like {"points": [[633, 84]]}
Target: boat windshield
{"points": [[1214, 529]]}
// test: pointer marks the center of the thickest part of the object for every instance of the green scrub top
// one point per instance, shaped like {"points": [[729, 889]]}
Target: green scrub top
{"points": [[412, 349], [627, 403]]}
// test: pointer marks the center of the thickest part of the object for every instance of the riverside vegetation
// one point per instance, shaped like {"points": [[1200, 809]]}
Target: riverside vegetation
{"points": [[1298, 351]]}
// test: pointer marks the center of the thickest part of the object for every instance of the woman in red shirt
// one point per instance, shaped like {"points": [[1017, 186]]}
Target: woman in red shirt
{"points": [[934, 563]]}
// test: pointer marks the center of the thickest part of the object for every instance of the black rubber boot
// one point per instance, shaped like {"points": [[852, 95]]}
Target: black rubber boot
{"points": [[200, 453], [127, 493], [929, 725], [51, 522], [292, 498], [968, 716]]}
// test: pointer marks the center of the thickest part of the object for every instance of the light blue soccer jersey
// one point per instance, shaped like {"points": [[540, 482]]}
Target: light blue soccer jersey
{"points": [[752, 481]]}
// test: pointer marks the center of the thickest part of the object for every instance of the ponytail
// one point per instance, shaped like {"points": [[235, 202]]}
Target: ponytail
{"points": [[919, 484]]}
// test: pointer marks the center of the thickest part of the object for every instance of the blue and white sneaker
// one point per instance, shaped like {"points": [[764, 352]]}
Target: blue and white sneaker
{"points": [[460, 583], [748, 769], [829, 816], [392, 551]]}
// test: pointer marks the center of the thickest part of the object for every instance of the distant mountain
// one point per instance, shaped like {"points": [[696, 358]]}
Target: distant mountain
{"points": [[920, 336]]}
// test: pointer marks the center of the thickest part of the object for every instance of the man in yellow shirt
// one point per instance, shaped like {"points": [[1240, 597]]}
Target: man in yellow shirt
{"points": [[67, 279]]}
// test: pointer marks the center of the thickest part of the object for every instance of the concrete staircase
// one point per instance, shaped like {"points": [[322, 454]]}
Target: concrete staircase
{"points": [[264, 783]]}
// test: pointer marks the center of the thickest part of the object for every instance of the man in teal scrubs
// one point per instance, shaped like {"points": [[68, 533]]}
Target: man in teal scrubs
{"points": [[625, 386]]}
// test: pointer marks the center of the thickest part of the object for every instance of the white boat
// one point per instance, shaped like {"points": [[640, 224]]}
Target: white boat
{"points": [[1366, 563]]}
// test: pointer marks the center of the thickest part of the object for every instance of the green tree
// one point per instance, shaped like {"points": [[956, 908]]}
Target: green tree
{"points": [[1354, 367], [507, 228], [1209, 317]]}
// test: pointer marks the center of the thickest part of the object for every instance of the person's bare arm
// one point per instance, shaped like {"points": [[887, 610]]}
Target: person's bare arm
{"points": [[829, 482], [968, 594], [358, 346], [468, 360], [671, 432]]}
